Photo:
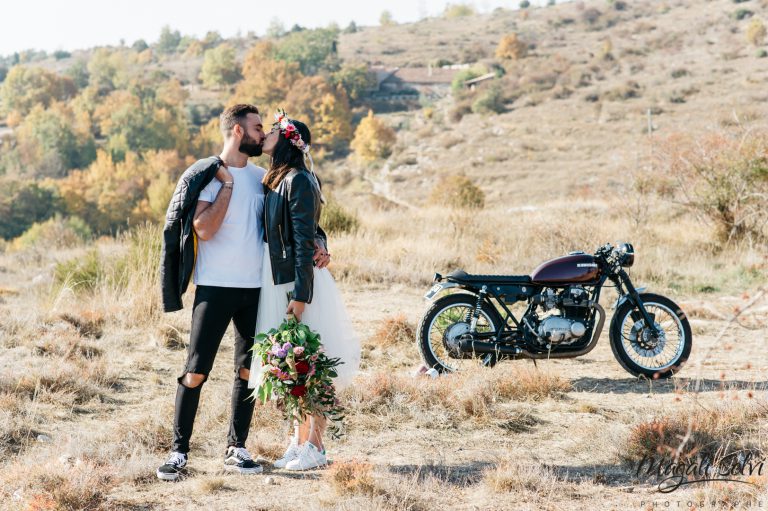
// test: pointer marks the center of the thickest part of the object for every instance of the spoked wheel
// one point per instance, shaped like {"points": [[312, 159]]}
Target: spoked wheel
{"points": [[445, 323], [641, 352]]}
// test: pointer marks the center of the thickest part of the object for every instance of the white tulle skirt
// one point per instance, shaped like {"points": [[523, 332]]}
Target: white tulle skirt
{"points": [[326, 315]]}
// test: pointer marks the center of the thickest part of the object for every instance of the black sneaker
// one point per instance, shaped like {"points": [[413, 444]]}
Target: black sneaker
{"points": [[173, 468], [237, 459]]}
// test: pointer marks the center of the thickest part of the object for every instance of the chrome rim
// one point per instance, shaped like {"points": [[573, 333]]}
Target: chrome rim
{"points": [[646, 351], [445, 327]]}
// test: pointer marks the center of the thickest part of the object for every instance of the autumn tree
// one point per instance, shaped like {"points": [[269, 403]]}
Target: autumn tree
{"points": [[219, 67], [265, 81], [511, 48], [756, 32], [373, 139], [26, 87]]}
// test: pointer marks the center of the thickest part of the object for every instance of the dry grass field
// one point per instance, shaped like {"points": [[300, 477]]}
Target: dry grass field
{"points": [[88, 362]]}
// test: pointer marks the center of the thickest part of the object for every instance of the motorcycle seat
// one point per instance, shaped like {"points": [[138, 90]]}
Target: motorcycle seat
{"points": [[462, 276]]}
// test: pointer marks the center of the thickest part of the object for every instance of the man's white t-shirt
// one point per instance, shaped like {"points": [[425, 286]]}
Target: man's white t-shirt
{"points": [[233, 256]]}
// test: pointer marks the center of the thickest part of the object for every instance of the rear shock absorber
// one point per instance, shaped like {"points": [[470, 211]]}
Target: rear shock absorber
{"points": [[478, 307]]}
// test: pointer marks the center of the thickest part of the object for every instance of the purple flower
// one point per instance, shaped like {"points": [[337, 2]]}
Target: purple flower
{"points": [[287, 346], [281, 353]]}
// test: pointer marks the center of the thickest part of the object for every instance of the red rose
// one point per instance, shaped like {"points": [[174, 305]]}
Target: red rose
{"points": [[298, 390], [302, 367]]}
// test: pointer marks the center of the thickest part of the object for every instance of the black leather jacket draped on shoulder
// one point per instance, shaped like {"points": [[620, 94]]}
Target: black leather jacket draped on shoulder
{"points": [[291, 215], [178, 255]]}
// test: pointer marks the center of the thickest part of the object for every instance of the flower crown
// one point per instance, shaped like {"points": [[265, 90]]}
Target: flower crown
{"points": [[289, 131]]}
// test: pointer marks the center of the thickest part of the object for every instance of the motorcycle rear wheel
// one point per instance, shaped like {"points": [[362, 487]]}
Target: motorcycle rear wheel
{"points": [[449, 314]]}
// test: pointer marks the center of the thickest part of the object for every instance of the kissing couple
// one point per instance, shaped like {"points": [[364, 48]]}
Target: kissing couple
{"points": [[250, 240]]}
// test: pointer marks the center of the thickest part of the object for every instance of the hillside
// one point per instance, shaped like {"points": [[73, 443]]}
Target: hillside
{"points": [[88, 362]]}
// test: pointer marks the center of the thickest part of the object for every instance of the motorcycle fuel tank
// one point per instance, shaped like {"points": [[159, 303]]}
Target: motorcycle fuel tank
{"points": [[570, 269]]}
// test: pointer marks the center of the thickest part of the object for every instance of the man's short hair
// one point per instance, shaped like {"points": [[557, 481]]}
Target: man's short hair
{"points": [[235, 114]]}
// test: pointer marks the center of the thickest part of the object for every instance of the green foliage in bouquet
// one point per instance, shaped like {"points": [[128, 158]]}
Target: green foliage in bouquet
{"points": [[297, 374]]}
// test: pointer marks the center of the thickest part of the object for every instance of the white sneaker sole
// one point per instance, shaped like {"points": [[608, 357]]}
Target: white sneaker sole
{"points": [[167, 477], [299, 468], [241, 470]]}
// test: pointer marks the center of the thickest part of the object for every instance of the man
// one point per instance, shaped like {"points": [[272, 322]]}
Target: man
{"points": [[225, 259]]}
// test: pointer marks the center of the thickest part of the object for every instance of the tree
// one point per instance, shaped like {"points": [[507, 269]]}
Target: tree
{"points": [[25, 87], [110, 70], [357, 80], [169, 40], [22, 203], [511, 48], [276, 29], [265, 81], [150, 116], [373, 139], [48, 144], [139, 46], [79, 73], [524, 4], [351, 28], [219, 67], [312, 50], [386, 20]]}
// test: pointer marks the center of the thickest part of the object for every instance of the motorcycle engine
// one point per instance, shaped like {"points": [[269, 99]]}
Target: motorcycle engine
{"points": [[570, 311]]}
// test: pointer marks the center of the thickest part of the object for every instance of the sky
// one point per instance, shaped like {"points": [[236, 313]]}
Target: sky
{"points": [[77, 24]]}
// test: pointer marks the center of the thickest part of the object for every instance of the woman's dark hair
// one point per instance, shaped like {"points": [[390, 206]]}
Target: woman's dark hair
{"points": [[286, 156]]}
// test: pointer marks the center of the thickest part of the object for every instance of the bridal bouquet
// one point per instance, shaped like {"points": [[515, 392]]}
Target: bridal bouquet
{"points": [[296, 373]]}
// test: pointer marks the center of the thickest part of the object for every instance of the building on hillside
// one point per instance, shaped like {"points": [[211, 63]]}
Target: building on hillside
{"points": [[400, 82]]}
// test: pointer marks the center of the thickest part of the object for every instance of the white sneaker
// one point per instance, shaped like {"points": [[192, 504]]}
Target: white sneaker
{"points": [[291, 453], [309, 457]]}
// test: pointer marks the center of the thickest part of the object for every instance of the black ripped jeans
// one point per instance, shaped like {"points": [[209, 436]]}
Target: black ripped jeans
{"points": [[214, 308]]}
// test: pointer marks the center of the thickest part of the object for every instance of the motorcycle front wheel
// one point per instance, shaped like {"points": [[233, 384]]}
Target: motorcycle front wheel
{"points": [[445, 322], [638, 350]]}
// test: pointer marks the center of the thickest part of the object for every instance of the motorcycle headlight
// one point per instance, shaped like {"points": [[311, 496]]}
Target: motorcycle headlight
{"points": [[626, 255]]}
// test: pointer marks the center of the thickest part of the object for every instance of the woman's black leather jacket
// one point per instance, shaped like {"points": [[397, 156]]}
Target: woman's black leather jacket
{"points": [[291, 215]]}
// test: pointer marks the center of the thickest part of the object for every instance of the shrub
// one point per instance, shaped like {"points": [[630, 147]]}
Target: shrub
{"points": [[353, 478], [511, 48], [524, 4], [457, 85], [457, 192], [742, 14], [373, 139], [490, 101], [756, 32], [458, 11], [722, 176], [393, 331], [335, 219], [54, 233], [80, 273]]}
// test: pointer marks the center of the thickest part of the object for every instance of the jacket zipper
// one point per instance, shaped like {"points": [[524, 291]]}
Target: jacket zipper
{"points": [[280, 228]]}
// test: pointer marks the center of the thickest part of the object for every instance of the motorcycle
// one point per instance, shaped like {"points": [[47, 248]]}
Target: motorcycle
{"points": [[471, 321]]}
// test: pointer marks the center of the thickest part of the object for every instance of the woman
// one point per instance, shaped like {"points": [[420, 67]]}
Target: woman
{"points": [[291, 212]]}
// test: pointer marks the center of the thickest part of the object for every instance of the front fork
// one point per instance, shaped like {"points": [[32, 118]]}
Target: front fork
{"points": [[634, 297]]}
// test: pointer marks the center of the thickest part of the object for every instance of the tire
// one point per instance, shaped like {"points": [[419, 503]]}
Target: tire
{"points": [[488, 313], [621, 343]]}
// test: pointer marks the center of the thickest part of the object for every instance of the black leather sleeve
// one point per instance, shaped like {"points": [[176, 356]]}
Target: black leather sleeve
{"points": [[321, 237], [301, 204], [169, 265]]}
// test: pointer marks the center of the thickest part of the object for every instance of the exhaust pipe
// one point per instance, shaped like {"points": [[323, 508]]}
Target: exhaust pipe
{"points": [[468, 346]]}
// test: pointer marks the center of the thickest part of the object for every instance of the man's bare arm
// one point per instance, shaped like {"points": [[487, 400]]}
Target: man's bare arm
{"points": [[210, 215]]}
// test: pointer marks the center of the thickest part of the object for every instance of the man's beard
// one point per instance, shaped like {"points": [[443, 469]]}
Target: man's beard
{"points": [[249, 146]]}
